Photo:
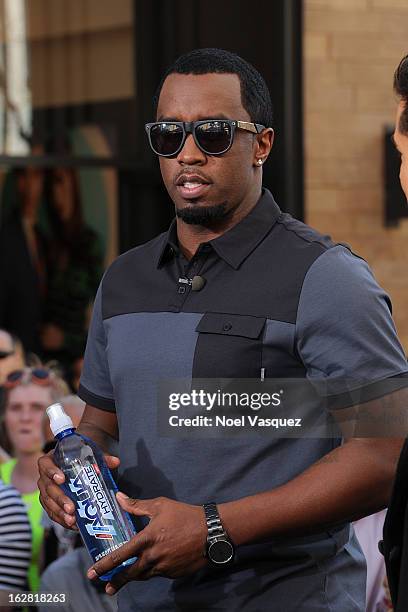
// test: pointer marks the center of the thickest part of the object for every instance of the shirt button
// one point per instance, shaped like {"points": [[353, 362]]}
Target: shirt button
{"points": [[227, 327]]}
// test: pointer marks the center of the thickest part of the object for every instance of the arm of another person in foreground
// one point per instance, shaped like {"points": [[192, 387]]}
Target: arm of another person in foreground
{"points": [[100, 426]]}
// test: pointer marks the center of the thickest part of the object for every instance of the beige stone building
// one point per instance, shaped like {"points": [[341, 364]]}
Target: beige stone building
{"points": [[351, 49]]}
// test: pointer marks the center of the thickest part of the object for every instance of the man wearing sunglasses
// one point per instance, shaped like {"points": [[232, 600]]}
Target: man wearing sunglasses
{"points": [[234, 289]]}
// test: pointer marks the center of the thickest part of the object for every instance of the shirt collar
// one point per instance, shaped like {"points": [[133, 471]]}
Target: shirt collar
{"points": [[170, 245], [237, 243]]}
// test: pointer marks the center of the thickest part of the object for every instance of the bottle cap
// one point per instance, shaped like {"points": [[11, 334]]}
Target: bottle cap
{"points": [[59, 420]]}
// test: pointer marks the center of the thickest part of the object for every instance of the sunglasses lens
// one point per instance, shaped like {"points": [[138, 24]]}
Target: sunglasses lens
{"points": [[40, 373], [16, 375], [166, 138], [214, 136]]}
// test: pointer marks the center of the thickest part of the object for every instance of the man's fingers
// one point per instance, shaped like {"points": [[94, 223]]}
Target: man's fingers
{"points": [[143, 569], [138, 507], [56, 513], [47, 468], [55, 493], [111, 461], [119, 580], [131, 549]]}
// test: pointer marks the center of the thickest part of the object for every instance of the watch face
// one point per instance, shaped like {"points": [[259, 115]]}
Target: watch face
{"points": [[220, 551]]}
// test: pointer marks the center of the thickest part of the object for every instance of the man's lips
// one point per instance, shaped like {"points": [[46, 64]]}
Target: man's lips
{"points": [[191, 185], [192, 190]]}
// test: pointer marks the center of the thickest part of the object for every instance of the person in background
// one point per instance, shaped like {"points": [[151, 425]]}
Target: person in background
{"points": [[11, 354], [28, 393], [15, 542], [23, 260], [395, 532], [368, 531], [75, 269], [11, 358]]}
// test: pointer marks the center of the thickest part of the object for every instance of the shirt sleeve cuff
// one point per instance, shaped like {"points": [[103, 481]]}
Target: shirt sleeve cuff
{"points": [[367, 392], [104, 403]]}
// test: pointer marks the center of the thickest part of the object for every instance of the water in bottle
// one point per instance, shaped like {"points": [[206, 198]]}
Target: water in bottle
{"points": [[102, 523]]}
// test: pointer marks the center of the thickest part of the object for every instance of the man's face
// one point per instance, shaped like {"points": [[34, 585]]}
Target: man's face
{"points": [[401, 142], [228, 177]]}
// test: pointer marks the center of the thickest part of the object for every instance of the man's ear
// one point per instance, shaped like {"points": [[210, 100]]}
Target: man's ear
{"points": [[264, 144]]}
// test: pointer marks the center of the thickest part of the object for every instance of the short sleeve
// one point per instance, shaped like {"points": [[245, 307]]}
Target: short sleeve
{"points": [[95, 386], [345, 334]]}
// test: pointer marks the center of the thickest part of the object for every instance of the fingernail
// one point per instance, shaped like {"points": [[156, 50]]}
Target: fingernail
{"points": [[57, 477], [110, 590], [92, 574], [123, 495], [68, 519], [67, 507]]}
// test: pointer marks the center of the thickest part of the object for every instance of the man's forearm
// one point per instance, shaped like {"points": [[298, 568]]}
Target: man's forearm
{"points": [[352, 481]]}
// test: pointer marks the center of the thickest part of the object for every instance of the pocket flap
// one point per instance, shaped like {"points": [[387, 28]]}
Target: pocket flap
{"points": [[231, 324]]}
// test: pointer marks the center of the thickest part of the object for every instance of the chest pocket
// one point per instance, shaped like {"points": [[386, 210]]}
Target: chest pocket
{"points": [[228, 346]]}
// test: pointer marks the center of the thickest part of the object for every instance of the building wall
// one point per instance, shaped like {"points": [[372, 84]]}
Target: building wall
{"points": [[351, 49], [80, 51]]}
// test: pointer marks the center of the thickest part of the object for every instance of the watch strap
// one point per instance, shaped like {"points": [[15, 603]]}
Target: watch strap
{"points": [[213, 520]]}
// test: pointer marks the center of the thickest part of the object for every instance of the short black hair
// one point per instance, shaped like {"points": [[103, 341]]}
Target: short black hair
{"points": [[401, 88], [255, 95]]}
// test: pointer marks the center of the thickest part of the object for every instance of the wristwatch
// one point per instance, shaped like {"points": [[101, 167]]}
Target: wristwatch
{"points": [[219, 549]]}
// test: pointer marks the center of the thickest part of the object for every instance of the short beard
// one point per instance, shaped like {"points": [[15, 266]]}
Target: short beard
{"points": [[205, 216]]}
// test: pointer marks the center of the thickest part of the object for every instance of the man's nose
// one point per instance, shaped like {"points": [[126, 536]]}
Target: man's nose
{"points": [[190, 153]]}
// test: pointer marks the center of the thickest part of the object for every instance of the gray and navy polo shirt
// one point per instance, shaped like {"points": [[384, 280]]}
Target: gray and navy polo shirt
{"points": [[280, 299]]}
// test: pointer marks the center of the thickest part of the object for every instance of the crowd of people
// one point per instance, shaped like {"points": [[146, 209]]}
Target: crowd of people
{"points": [[36, 554], [50, 266], [50, 263]]}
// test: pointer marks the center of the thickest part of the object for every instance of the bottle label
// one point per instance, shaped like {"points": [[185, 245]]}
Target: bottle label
{"points": [[93, 504]]}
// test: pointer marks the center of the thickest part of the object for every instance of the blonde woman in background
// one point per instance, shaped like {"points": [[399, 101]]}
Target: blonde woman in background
{"points": [[28, 393]]}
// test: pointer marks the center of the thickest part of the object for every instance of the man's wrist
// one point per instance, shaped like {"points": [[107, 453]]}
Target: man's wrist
{"points": [[219, 547], [239, 520]]}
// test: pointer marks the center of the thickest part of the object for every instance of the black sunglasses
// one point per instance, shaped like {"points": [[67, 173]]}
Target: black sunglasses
{"points": [[212, 136]]}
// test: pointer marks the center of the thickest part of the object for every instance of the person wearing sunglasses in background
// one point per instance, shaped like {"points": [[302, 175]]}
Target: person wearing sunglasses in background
{"points": [[28, 393], [234, 289], [11, 354], [11, 358]]}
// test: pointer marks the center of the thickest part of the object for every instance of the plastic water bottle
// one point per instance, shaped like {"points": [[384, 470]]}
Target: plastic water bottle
{"points": [[104, 526]]}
